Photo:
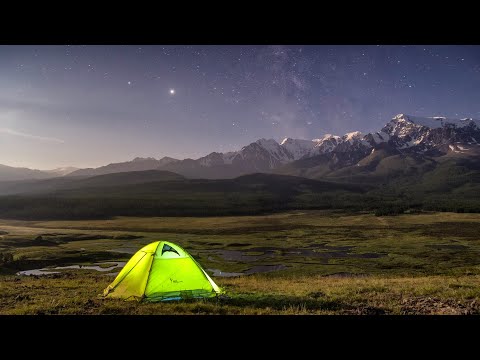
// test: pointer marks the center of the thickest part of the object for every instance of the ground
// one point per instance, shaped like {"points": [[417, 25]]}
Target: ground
{"points": [[308, 262]]}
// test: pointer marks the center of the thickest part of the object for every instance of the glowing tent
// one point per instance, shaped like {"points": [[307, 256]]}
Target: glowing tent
{"points": [[162, 271]]}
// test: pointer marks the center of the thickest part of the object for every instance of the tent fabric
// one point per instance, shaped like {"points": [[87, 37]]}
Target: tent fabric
{"points": [[162, 271]]}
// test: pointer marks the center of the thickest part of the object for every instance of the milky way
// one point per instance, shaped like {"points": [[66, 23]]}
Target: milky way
{"points": [[91, 105]]}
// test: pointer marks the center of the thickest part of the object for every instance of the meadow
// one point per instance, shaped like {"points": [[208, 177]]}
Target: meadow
{"points": [[296, 262]]}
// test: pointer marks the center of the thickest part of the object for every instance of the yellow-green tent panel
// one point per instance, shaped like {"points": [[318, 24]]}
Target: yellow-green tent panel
{"points": [[162, 271]]}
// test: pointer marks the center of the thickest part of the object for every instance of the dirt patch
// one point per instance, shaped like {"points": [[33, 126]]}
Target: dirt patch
{"points": [[436, 306]]}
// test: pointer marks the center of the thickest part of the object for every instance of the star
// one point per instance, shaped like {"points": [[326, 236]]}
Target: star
{"points": [[129, 83], [172, 91]]}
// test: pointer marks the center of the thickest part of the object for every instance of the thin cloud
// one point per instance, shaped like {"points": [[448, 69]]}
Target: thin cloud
{"points": [[30, 136]]}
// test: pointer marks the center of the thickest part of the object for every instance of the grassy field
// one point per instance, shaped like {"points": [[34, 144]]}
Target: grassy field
{"points": [[317, 262]]}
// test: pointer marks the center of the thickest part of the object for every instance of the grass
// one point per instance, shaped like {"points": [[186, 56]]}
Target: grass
{"points": [[76, 293], [336, 263]]}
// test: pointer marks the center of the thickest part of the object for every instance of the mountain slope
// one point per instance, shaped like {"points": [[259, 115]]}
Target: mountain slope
{"points": [[80, 182], [137, 164], [8, 173], [61, 171], [246, 195]]}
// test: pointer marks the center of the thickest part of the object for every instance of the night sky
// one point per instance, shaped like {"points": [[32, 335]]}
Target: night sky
{"points": [[87, 106]]}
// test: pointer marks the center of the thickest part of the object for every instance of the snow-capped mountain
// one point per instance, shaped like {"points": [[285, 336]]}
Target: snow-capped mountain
{"points": [[423, 134], [324, 145], [403, 134], [411, 132], [405, 143], [298, 148]]}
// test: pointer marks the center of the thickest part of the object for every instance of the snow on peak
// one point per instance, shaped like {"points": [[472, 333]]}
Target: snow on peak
{"points": [[400, 117], [352, 135], [268, 144], [380, 137], [326, 137], [297, 148], [435, 122]]}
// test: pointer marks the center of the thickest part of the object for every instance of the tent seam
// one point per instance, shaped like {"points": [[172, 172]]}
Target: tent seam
{"points": [[129, 271], [151, 265]]}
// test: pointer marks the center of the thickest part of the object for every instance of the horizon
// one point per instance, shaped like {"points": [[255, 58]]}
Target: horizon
{"points": [[88, 106], [279, 141]]}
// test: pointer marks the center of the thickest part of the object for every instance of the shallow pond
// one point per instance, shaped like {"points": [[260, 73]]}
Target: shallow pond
{"points": [[98, 267], [253, 270], [220, 273]]}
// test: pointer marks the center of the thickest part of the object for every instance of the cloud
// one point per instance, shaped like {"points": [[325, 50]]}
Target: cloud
{"points": [[30, 136]]}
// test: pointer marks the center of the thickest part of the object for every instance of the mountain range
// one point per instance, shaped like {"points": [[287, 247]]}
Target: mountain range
{"points": [[405, 142], [411, 163]]}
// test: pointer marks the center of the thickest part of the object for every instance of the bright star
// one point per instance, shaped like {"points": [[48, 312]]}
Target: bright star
{"points": [[172, 91]]}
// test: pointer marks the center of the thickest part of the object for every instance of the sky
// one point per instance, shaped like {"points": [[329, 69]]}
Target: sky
{"points": [[87, 106]]}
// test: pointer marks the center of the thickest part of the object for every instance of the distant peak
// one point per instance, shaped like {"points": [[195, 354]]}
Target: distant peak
{"points": [[143, 159], [353, 135], [403, 117], [326, 137], [266, 141], [289, 140], [433, 121]]}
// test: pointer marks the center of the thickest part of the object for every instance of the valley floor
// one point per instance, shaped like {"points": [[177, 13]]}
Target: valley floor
{"points": [[303, 262]]}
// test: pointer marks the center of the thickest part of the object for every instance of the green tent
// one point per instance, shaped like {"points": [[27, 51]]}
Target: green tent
{"points": [[162, 271]]}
